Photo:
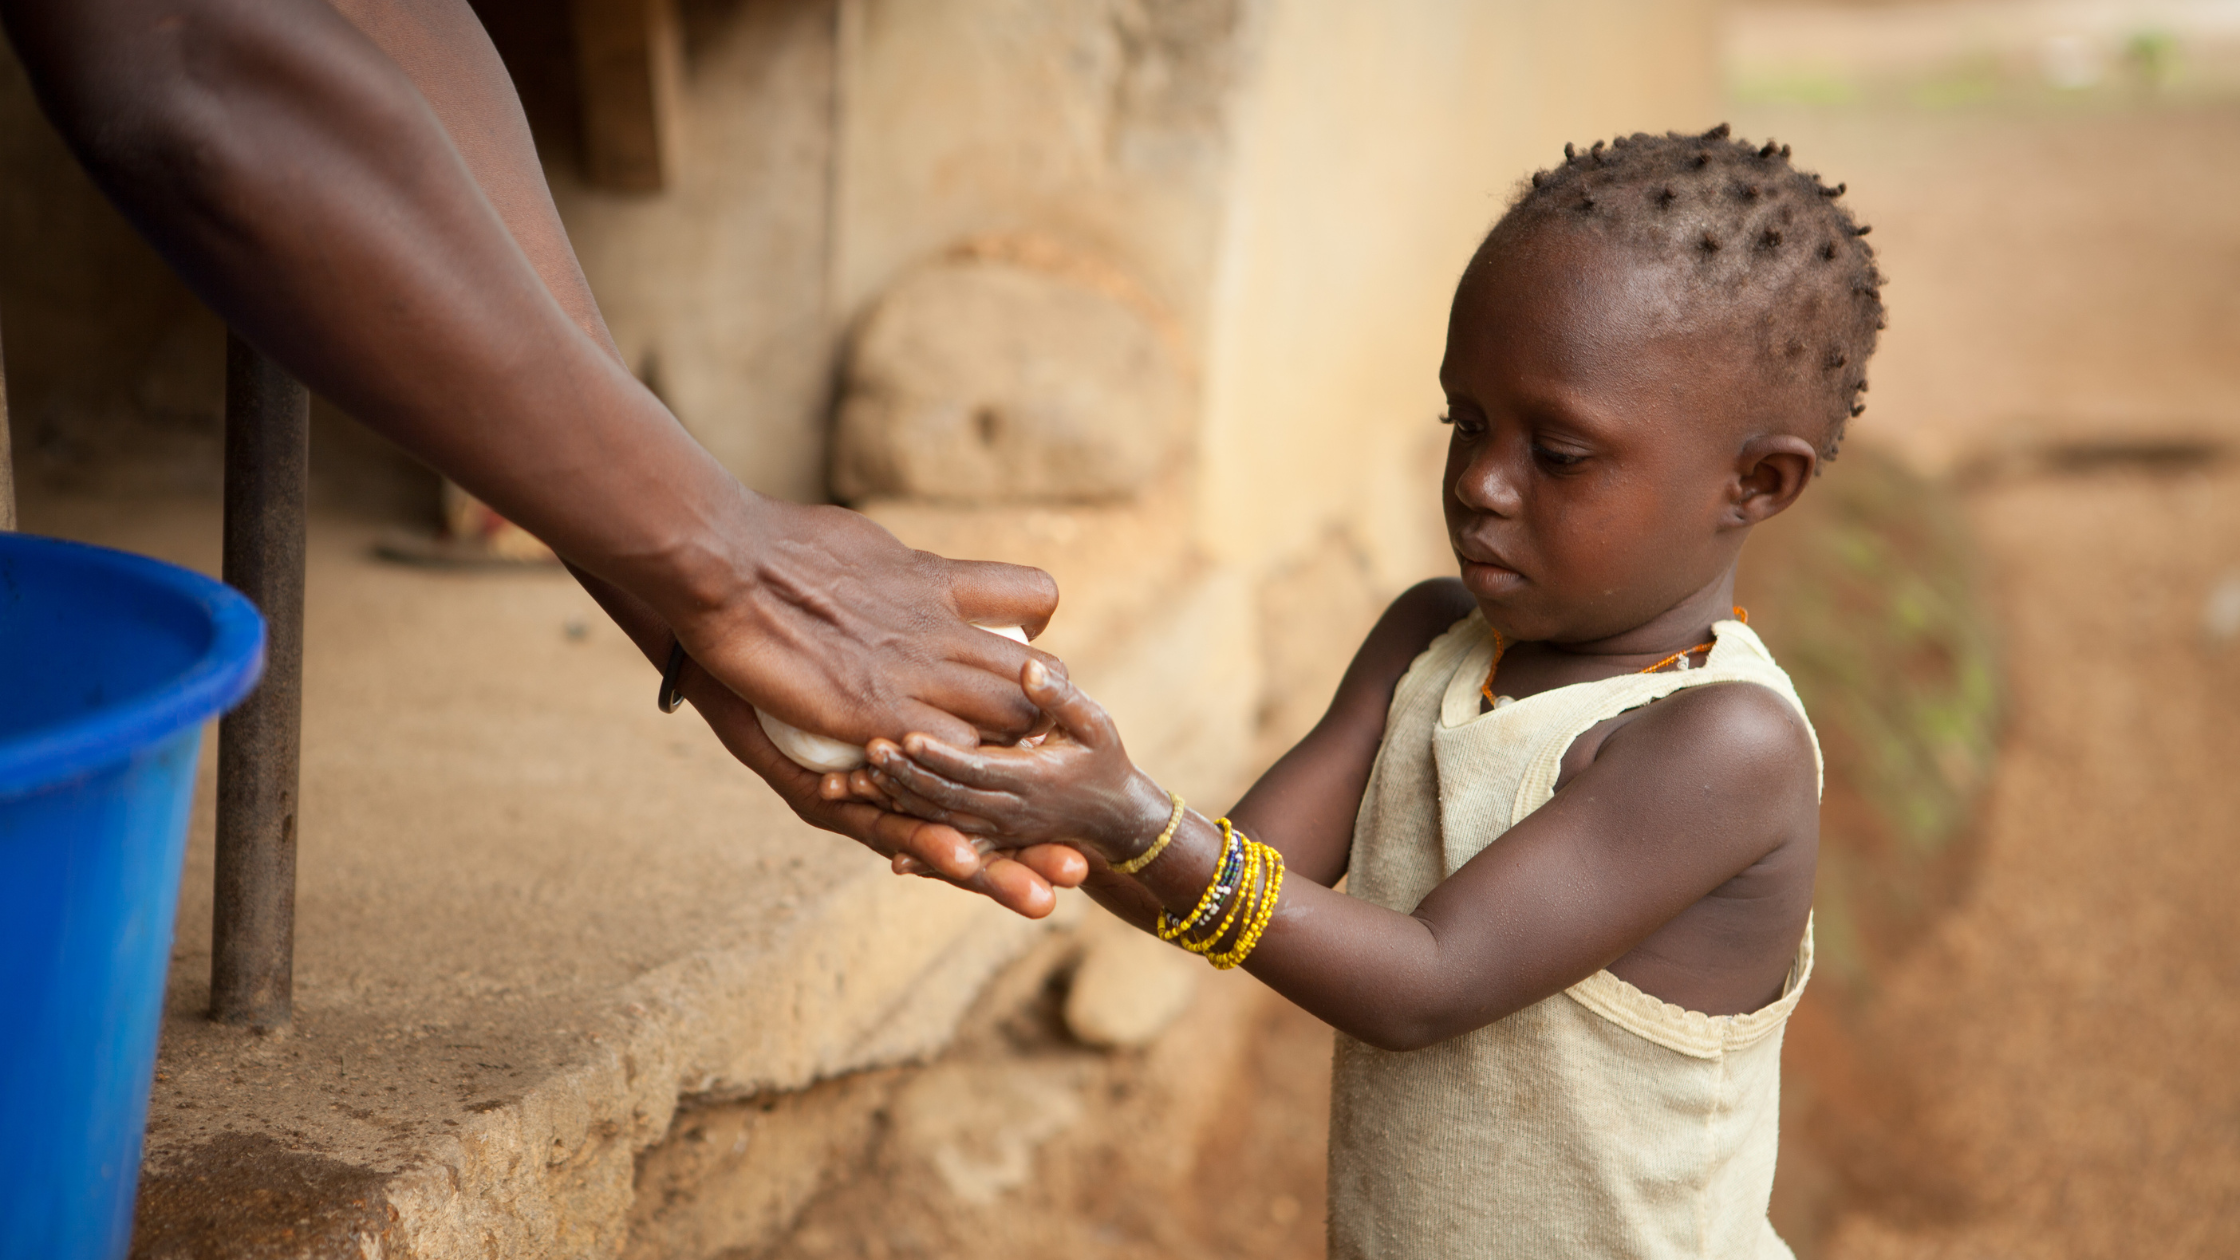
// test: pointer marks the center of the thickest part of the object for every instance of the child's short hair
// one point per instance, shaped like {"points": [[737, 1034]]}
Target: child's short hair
{"points": [[1767, 241]]}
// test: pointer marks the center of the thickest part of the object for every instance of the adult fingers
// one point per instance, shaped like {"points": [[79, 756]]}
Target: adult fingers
{"points": [[1060, 865], [991, 593], [857, 785], [941, 848], [1021, 887], [1014, 886], [954, 727], [984, 693]]}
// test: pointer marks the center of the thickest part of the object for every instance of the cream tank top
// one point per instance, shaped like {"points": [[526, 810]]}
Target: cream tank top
{"points": [[1597, 1122]]}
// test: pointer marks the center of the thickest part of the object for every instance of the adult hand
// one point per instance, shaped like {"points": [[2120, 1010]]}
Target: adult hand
{"points": [[836, 627], [353, 187], [1020, 882], [1077, 787]]}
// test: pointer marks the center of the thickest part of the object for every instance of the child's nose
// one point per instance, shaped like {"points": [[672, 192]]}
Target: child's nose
{"points": [[1488, 483]]}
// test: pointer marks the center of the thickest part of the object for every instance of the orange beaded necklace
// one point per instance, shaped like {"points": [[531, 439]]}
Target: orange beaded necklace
{"points": [[1501, 645]]}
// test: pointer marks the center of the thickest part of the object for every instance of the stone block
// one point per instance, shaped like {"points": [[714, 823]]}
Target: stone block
{"points": [[983, 382], [1129, 986]]}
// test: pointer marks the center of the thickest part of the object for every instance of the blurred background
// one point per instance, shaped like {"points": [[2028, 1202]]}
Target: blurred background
{"points": [[1151, 293]]}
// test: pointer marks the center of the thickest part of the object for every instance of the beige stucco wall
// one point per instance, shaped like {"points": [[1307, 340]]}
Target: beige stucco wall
{"points": [[1295, 184], [1375, 144], [716, 287], [1297, 181], [1098, 124]]}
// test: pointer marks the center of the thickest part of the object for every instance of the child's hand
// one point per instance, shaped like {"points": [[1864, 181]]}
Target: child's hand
{"points": [[1059, 865], [1075, 787], [1020, 882]]}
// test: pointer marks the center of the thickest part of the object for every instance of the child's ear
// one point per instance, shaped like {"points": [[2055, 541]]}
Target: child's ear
{"points": [[1772, 470]]}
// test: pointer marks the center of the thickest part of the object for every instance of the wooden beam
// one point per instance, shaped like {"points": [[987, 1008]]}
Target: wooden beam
{"points": [[629, 58]]}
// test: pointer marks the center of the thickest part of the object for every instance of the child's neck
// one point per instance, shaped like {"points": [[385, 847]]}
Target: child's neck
{"points": [[1531, 667]]}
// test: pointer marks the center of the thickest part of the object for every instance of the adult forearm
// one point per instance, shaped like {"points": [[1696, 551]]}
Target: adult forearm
{"points": [[303, 187], [442, 47]]}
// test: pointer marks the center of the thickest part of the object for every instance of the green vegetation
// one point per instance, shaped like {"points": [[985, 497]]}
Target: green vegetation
{"points": [[1867, 593]]}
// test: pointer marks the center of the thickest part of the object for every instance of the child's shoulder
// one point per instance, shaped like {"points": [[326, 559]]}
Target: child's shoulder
{"points": [[1743, 740], [1421, 614]]}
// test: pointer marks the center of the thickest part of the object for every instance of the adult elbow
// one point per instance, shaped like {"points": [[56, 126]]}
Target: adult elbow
{"points": [[177, 114], [125, 95]]}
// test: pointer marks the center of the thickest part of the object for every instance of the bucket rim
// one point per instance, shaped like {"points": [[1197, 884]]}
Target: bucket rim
{"points": [[224, 673]]}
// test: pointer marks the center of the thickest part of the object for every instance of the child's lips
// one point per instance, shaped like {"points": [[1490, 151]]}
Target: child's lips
{"points": [[1483, 561], [1486, 577]]}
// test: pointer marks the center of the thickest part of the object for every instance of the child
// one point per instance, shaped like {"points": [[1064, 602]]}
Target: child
{"points": [[1575, 800]]}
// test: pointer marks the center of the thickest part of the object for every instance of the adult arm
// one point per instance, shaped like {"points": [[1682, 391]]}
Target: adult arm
{"points": [[363, 197], [442, 47], [305, 188]]}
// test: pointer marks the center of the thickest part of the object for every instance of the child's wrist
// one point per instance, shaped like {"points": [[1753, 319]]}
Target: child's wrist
{"points": [[1150, 807]]}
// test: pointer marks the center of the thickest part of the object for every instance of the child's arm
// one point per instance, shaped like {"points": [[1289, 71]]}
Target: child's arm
{"points": [[1692, 793], [1310, 795], [1305, 803]]}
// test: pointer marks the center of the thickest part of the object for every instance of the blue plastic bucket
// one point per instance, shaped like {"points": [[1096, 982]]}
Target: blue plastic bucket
{"points": [[109, 665]]}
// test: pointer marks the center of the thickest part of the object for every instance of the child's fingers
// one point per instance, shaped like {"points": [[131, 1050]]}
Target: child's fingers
{"points": [[1078, 715], [909, 802], [1002, 773], [897, 771]]}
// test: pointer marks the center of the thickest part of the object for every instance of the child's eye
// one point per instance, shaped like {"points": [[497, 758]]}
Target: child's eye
{"points": [[1463, 423], [1556, 460]]}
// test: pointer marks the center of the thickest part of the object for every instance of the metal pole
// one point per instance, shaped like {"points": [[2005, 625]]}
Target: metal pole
{"points": [[7, 462], [252, 960]]}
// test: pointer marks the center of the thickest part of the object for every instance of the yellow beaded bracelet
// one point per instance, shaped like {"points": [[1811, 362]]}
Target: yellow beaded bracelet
{"points": [[1245, 881], [1168, 928], [1262, 912], [1158, 846]]}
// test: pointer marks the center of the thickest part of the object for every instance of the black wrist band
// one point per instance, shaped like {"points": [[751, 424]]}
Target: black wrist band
{"points": [[670, 697]]}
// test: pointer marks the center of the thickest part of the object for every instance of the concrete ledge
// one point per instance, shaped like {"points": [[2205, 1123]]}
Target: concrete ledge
{"points": [[533, 914]]}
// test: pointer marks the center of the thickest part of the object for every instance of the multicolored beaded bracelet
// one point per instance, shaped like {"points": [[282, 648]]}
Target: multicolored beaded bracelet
{"points": [[1251, 870], [1232, 858]]}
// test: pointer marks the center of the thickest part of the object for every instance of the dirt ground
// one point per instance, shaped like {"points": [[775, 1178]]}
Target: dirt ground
{"points": [[2047, 1073]]}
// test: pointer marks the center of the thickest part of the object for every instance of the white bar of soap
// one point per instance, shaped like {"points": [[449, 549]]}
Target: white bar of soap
{"points": [[824, 754]]}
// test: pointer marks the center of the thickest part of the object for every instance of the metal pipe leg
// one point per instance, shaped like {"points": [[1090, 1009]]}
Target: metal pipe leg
{"points": [[268, 415], [7, 463]]}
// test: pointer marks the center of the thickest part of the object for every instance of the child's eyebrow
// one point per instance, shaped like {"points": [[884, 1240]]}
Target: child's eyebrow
{"points": [[1559, 409]]}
